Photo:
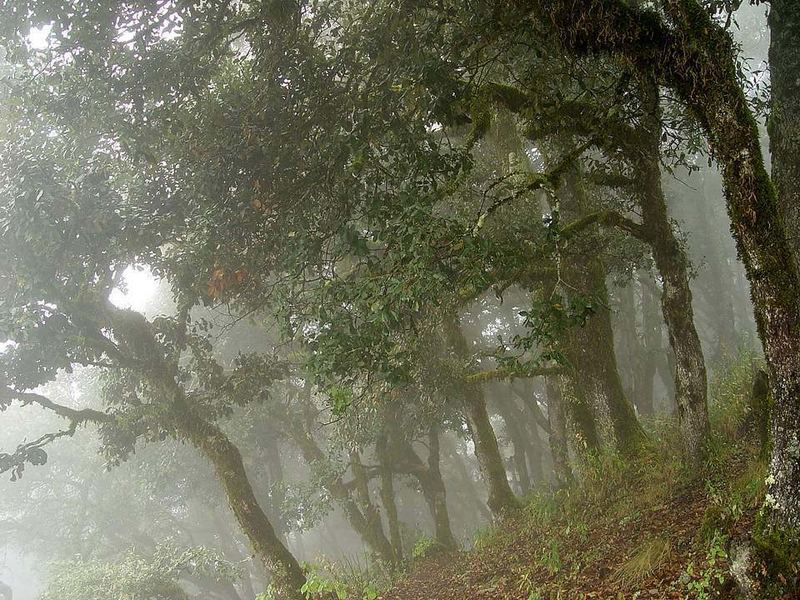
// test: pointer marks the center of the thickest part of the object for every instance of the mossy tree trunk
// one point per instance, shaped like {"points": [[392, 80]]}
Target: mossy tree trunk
{"points": [[676, 296], [487, 451], [224, 456], [516, 430], [465, 481], [632, 351], [784, 119], [437, 494], [388, 492], [590, 349], [361, 518], [559, 448], [659, 359], [430, 480]]}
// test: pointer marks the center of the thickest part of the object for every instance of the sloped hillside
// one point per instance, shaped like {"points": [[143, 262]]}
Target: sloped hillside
{"points": [[648, 528]]}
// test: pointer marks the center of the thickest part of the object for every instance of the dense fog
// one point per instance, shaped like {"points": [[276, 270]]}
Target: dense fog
{"points": [[297, 296]]}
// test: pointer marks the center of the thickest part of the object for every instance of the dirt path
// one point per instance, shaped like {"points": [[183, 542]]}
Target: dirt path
{"points": [[588, 560]]}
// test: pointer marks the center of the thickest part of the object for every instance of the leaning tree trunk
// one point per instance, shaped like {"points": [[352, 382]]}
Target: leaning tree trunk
{"points": [[287, 576], [501, 497], [676, 296], [711, 86]]}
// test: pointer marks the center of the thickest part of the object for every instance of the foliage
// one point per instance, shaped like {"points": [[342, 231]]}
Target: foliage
{"points": [[424, 547], [703, 580], [342, 581], [154, 577]]}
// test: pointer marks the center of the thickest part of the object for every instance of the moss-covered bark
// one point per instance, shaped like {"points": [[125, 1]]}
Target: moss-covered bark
{"points": [[784, 119], [430, 480], [364, 519], [501, 497], [518, 435], [388, 493], [590, 349], [676, 296], [287, 576]]}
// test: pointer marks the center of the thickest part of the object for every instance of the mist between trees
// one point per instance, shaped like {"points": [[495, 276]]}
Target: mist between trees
{"points": [[299, 292]]}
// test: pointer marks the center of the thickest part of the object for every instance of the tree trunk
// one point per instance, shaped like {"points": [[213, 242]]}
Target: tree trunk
{"points": [[372, 515], [501, 498], [468, 484], [363, 523], [590, 348], [287, 576], [430, 480], [676, 296], [632, 351], [591, 354], [515, 426], [784, 119], [277, 494], [559, 448], [651, 348], [388, 493], [436, 494], [721, 289]]}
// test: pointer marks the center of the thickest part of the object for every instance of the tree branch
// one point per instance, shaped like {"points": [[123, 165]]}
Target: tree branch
{"points": [[75, 416], [608, 218], [506, 373]]}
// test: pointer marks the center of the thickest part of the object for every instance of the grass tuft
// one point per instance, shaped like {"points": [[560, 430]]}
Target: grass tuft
{"points": [[646, 559]]}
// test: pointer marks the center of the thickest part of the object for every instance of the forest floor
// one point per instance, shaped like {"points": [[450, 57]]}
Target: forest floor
{"points": [[645, 529]]}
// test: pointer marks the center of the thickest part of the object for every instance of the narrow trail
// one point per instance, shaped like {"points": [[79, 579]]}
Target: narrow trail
{"points": [[631, 548]]}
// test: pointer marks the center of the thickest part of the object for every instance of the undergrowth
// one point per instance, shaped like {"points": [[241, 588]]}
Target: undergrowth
{"points": [[614, 492], [635, 527]]}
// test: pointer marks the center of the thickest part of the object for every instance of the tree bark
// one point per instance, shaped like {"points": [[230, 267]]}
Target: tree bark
{"points": [[784, 119], [363, 523], [590, 349], [437, 493], [676, 296], [224, 456], [501, 497], [559, 448], [467, 483], [515, 426], [388, 493], [430, 480]]}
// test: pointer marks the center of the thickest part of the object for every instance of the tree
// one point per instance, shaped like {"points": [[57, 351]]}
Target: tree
{"points": [[694, 56]]}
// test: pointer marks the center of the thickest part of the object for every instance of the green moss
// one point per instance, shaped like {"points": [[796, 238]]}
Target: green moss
{"points": [[776, 561]]}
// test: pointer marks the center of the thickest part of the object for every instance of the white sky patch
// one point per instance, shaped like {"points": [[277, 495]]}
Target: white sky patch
{"points": [[38, 37], [139, 291]]}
